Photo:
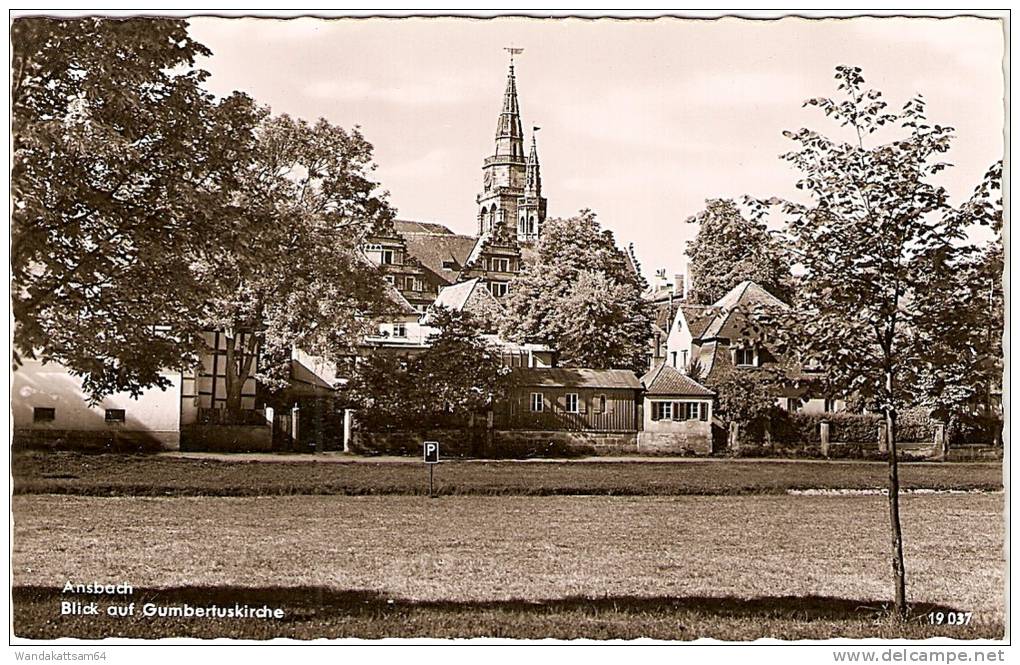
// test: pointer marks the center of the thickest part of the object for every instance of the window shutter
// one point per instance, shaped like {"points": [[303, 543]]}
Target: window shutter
{"points": [[582, 404], [704, 411]]}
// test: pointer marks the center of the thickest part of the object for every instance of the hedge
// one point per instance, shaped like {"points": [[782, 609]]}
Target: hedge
{"points": [[803, 428]]}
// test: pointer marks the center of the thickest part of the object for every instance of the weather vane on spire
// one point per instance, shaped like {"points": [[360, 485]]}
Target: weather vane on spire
{"points": [[513, 51]]}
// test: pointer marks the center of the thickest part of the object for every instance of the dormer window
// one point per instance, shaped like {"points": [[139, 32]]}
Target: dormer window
{"points": [[745, 358], [499, 264], [449, 265], [386, 257]]}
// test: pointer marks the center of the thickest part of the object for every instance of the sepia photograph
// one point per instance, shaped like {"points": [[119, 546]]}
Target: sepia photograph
{"points": [[501, 329]]}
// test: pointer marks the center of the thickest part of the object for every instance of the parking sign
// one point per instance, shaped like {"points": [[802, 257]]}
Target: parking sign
{"points": [[431, 452]]}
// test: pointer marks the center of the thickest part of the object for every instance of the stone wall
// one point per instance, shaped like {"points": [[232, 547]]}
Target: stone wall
{"points": [[495, 443], [96, 441], [542, 443], [227, 438], [686, 437], [452, 442]]}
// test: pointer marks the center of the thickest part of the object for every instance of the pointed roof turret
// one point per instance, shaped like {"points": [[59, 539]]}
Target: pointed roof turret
{"points": [[509, 135], [532, 177]]}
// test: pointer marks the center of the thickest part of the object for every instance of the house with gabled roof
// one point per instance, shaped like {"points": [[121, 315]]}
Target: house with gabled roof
{"points": [[725, 337], [677, 412]]}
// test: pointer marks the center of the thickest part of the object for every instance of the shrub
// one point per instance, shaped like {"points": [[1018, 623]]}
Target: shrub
{"points": [[976, 429], [914, 425]]}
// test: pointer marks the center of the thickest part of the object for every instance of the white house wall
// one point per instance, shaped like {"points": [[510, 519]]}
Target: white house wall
{"points": [[679, 342], [155, 413]]}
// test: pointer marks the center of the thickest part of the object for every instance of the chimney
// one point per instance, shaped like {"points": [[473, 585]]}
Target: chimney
{"points": [[680, 285]]}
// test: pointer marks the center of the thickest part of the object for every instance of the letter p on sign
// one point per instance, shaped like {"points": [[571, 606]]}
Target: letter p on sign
{"points": [[431, 452]]}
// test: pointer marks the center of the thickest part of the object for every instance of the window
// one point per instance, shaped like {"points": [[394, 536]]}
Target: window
{"points": [[44, 414], [690, 411], [672, 360], [391, 279], [830, 405], [598, 404], [571, 403], [399, 330], [745, 358], [449, 265], [498, 289], [792, 404], [683, 355], [662, 410], [537, 402], [115, 415], [499, 264], [386, 257]]}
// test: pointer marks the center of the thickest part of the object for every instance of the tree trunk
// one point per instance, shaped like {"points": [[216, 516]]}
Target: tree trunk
{"points": [[239, 362], [233, 384], [899, 573]]}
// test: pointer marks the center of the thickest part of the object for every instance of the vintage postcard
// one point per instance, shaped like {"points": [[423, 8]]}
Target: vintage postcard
{"points": [[671, 328]]}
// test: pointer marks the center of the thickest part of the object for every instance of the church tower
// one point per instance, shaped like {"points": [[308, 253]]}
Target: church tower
{"points": [[512, 185]]}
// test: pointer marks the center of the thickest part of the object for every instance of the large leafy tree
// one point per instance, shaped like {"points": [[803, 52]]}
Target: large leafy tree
{"points": [[957, 322], [120, 163], [459, 372], [875, 235], [732, 247], [293, 273], [455, 378], [582, 297]]}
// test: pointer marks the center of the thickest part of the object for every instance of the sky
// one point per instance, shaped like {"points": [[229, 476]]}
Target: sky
{"points": [[642, 120]]}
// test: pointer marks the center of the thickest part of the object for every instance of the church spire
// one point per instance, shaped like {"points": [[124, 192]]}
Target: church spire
{"points": [[533, 177], [512, 185], [509, 136]]}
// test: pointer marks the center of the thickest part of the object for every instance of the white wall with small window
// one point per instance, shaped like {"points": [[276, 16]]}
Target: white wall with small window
{"points": [[48, 397], [679, 341], [407, 330]]}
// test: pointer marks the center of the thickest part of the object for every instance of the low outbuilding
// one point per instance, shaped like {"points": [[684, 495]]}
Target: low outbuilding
{"points": [[677, 413]]}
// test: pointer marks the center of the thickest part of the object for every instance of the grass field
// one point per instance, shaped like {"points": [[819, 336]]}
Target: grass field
{"points": [[38, 472], [668, 567]]}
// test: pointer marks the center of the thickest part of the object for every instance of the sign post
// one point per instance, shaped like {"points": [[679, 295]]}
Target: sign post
{"points": [[431, 459]]}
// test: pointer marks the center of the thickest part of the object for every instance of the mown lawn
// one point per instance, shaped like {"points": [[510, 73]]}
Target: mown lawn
{"points": [[38, 472], [728, 567]]}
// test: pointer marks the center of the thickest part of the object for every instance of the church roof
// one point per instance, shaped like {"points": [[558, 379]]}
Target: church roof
{"points": [[667, 380]]}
